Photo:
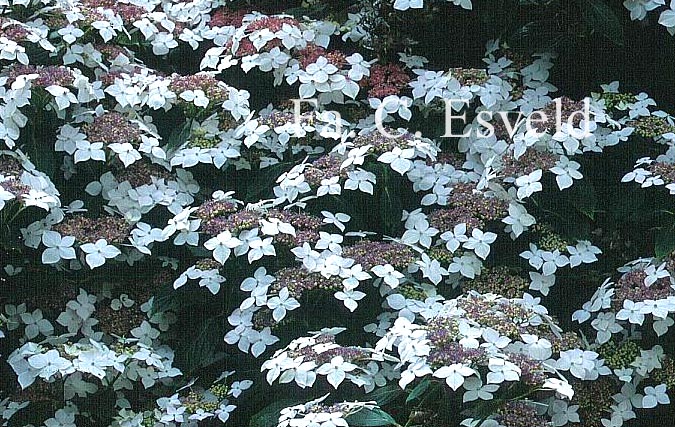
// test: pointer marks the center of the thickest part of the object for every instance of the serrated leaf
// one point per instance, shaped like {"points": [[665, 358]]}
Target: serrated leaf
{"points": [[179, 136], [537, 35], [601, 18], [625, 205], [583, 198], [201, 351], [418, 390], [199, 251], [370, 418], [664, 242], [385, 394], [391, 206]]}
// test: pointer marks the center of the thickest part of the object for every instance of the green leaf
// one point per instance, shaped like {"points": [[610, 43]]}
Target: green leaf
{"points": [[664, 242], [261, 184], [391, 206], [200, 252], [385, 394], [179, 136], [370, 418], [269, 415], [537, 35], [583, 198], [202, 350], [625, 205], [601, 18], [418, 390], [44, 158]]}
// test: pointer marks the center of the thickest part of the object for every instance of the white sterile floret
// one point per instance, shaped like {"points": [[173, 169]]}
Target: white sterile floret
{"points": [[62, 96], [36, 324], [529, 184], [655, 396], [467, 265], [584, 252], [389, 274], [58, 247], [453, 239], [502, 370], [398, 159], [282, 303], [259, 248], [4, 196], [562, 413], [631, 311], [454, 375], [329, 186], [475, 389], [541, 282], [560, 386], [125, 152], [98, 252], [667, 18], [480, 242], [85, 151], [222, 246], [361, 180], [579, 363], [393, 104], [518, 220], [551, 261], [210, 279], [197, 97], [653, 274], [431, 269], [274, 226], [337, 219], [639, 8], [566, 172], [350, 298], [330, 241], [316, 77], [421, 233], [408, 4], [605, 325]]}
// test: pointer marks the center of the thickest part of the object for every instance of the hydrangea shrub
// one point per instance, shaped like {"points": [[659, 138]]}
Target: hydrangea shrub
{"points": [[384, 239]]}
